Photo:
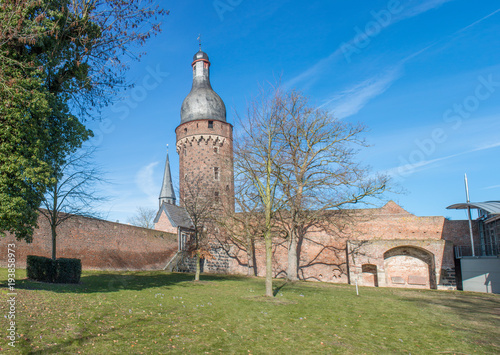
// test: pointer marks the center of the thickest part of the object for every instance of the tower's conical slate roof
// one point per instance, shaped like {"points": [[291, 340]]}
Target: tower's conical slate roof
{"points": [[202, 103], [167, 193]]}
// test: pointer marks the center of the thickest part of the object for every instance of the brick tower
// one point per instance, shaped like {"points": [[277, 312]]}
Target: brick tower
{"points": [[205, 139]]}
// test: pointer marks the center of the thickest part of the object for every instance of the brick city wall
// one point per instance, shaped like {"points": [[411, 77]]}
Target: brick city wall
{"points": [[323, 255], [99, 244]]}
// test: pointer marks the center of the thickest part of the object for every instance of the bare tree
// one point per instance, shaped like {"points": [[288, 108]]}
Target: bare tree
{"points": [[256, 155], [245, 225], [144, 217], [318, 170], [199, 202], [74, 191]]}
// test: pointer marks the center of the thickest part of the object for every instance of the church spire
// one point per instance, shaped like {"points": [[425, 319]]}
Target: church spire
{"points": [[167, 194]]}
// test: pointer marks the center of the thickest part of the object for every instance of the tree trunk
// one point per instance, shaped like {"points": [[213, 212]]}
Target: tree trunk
{"points": [[252, 267], [53, 223], [292, 267], [54, 236], [269, 269], [254, 260], [197, 274]]}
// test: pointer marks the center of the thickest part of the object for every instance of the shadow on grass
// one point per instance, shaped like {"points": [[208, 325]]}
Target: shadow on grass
{"points": [[85, 334], [278, 289], [118, 281], [470, 307]]}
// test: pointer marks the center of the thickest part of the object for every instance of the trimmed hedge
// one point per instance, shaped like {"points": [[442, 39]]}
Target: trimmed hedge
{"points": [[61, 270]]}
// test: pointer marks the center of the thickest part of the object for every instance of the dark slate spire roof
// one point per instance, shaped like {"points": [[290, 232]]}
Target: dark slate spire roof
{"points": [[167, 193], [202, 103]]}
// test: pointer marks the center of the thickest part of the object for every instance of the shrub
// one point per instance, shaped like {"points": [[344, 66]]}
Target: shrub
{"points": [[62, 270], [40, 268], [68, 270]]}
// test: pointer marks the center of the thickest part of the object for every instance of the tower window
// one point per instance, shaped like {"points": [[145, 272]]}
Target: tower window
{"points": [[185, 151], [216, 150], [210, 124], [216, 173], [185, 130], [216, 196]]}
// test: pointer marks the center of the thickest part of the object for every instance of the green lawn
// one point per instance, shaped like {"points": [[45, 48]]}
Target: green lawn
{"points": [[157, 312]]}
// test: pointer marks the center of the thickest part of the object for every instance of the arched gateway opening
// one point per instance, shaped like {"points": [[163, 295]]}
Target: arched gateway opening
{"points": [[409, 267]]}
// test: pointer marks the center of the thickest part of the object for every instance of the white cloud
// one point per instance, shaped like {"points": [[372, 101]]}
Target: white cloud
{"points": [[414, 8], [312, 72], [144, 179], [408, 169], [492, 187], [478, 21], [353, 99], [486, 146]]}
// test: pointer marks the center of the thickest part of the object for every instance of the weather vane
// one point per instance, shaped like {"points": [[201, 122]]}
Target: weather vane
{"points": [[199, 40]]}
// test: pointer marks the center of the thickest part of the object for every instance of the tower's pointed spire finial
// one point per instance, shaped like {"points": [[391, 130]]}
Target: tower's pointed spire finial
{"points": [[167, 193], [199, 40]]}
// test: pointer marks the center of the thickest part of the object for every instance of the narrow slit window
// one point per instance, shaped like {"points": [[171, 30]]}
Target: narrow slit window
{"points": [[216, 173], [216, 196]]}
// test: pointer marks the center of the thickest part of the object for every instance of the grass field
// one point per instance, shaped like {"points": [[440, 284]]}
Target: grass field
{"points": [[157, 312]]}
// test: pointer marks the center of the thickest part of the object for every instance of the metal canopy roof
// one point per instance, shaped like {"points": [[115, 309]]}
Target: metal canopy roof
{"points": [[492, 207]]}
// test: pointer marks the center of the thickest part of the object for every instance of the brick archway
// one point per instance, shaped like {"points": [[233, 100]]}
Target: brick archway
{"points": [[409, 266]]}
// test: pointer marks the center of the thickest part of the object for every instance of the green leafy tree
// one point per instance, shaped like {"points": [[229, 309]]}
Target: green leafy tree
{"points": [[61, 61]]}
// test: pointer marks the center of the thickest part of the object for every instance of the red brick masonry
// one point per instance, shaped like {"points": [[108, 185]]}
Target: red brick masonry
{"points": [[99, 244]]}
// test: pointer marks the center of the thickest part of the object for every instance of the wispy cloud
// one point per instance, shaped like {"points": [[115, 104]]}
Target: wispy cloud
{"points": [[353, 99], [452, 36], [491, 187], [407, 169], [486, 146], [412, 8], [144, 179], [312, 72], [478, 21]]}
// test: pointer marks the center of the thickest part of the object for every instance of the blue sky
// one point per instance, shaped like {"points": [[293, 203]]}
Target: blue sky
{"points": [[424, 76]]}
